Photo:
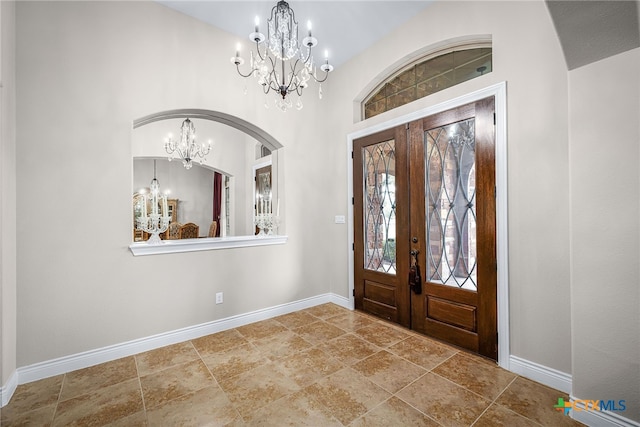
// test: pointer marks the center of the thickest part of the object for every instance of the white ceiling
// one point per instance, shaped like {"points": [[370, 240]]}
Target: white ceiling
{"points": [[344, 28], [589, 30]]}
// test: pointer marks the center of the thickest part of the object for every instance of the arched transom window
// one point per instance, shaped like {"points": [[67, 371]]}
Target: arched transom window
{"points": [[428, 75]]}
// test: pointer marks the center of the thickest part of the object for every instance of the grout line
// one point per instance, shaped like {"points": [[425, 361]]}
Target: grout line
{"points": [[144, 404], [242, 339], [55, 410]]}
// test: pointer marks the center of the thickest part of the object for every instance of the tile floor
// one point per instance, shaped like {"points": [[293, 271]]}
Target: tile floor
{"points": [[324, 366]]}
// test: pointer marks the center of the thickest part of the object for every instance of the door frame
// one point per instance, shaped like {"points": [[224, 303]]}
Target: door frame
{"points": [[499, 91]]}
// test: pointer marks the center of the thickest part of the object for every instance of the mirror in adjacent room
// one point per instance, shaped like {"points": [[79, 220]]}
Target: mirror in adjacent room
{"points": [[215, 197]]}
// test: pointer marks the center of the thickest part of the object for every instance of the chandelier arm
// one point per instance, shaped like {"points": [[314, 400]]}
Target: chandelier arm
{"points": [[273, 82], [294, 66], [273, 77], [244, 75], [266, 52], [326, 75], [308, 54]]}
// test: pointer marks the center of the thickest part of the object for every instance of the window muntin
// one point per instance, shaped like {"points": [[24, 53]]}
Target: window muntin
{"points": [[427, 76]]}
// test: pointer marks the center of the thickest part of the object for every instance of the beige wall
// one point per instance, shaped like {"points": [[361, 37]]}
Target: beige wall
{"points": [[605, 234], [85, 71], [7, 192], [527, 55]]}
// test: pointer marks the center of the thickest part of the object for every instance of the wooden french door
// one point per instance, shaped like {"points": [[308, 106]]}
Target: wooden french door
{"points": [[425, 243]]}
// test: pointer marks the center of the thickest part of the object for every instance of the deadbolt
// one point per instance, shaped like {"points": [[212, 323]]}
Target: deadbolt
{"points": [[414, 239]]}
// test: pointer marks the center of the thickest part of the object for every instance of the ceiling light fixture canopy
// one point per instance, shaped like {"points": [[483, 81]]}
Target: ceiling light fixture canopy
{"points": [[187, 148], [281, 63]]}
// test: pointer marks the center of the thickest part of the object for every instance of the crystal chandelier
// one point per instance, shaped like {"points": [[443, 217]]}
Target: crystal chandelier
{"points": [[281, 63], [187, 148], [158, 220]]}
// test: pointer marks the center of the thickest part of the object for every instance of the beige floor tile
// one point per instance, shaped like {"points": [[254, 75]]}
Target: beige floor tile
{"points": [[282, 344], [423, 351], [254, 389], [296, 319], [298, 409], [535, 401], [389, 371], [394, 412], [218, 342], [307, 366], [318, 332], [444, 401], [322, 366], [90, 379], [347, 394], [381, 334], [349, 348], [498, 415], [351, 321], [33, 395], [255, 331], [165, 357], [234, 361], [480, 376], [207, 407], [39, 416], [100, 407], [171, 383], [325, 311], [139, 419]]}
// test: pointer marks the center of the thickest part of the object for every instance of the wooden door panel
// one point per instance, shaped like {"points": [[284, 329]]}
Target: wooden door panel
{"points": [[458, 303], [381, 267], [452, 195], [452, 312]]}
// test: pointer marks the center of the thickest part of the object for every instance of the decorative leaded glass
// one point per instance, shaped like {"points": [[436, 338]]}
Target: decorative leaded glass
{"points": [[427, 76], [380, 207], [450, 199]]}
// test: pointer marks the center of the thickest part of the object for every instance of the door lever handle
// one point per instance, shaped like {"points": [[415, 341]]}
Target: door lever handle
{"points": [[415, 278]]}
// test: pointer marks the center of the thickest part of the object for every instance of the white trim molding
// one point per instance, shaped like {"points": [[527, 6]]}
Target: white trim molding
{"points": [[73, 362], [7, 390], [204, 244], [600, 418], [540, 373], [499, 92]]}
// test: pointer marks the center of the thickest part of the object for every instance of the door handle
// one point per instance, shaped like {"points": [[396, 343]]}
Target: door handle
{"points": [[415, 278]]}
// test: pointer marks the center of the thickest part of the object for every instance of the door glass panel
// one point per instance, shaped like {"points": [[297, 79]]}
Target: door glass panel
{"points": [[379, 207], [450, 200]]}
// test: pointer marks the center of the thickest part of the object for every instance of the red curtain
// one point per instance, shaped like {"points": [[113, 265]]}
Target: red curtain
{"points": [[217, 199]]}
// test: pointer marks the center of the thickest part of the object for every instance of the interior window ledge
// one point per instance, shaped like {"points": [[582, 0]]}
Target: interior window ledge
{"points": [[204, 244]]}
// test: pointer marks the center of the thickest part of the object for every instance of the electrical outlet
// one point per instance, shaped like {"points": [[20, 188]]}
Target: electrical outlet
{"points": [[219, 298]]}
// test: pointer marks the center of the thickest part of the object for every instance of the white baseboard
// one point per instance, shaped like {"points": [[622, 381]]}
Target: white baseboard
{"points": [[50, 368], [341, 301], [540, 373], [7, 390], [601, 418]]}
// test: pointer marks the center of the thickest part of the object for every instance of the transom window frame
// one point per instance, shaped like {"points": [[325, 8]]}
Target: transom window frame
{"points": [[476, 41]]}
